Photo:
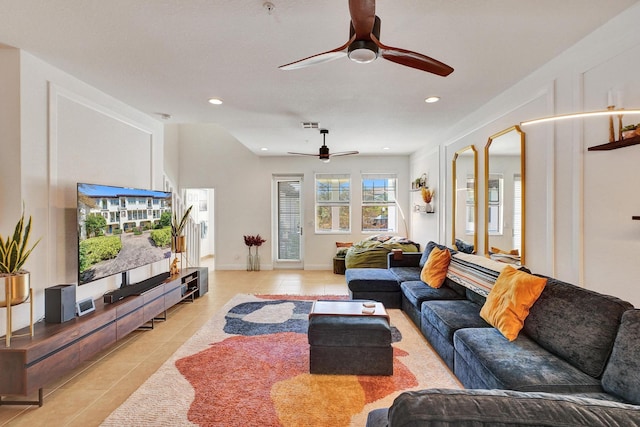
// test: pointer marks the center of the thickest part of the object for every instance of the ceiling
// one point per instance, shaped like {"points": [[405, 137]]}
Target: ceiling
{"points": [[170, 56]]}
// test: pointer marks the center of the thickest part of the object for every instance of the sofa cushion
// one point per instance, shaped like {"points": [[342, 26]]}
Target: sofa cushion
{"points": [[427, 252], [405, 274], [435, 270], [446, 407], [470, 295], [371, 279], [449, 316], [576, 324], [510, 299], [464, 247], [417, 291], [518, 365], [378, 418], [622, 374]]}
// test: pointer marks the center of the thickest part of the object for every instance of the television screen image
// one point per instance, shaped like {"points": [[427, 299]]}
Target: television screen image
{"points": [[120, 229]]}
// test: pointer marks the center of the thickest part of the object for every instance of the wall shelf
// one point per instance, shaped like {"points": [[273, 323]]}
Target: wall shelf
{"points": [[616, 144]]}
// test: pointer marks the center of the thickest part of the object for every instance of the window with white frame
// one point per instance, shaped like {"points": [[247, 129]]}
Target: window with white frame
{"points": [[333, 198], [496, 208], [517, 211], [379, 211], [470, 222]]}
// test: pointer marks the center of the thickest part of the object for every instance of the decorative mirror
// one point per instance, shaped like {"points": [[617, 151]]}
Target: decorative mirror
{"points": [[504, 196], [465, 205]]}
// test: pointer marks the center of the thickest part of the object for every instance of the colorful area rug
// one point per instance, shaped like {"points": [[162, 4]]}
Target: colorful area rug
{"points": [[249, 366]]}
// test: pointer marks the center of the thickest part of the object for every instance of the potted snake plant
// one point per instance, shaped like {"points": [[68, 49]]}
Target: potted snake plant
{"points": [[14, 251], [177, 227]]}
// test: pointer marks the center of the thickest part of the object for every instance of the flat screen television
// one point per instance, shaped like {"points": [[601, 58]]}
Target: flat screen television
{"points": [[120, 229]]}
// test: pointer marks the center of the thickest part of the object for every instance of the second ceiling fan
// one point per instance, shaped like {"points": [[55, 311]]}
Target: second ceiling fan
{"points": [[323, 152], [364, 45]]}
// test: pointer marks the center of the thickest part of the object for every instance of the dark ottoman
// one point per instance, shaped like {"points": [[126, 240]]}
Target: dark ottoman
{"points": [[350, 345], [377, 284]]}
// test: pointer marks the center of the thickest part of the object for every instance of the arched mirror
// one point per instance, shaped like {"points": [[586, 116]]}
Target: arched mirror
{"points": [[504, 196], [465, 204]]}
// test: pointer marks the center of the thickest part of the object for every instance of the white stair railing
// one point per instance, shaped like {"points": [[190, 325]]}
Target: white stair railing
{"points": [[192, 230], [192, 237]]}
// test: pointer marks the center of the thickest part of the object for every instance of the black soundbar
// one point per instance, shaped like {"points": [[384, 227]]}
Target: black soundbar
{"points": [[135, 289]]}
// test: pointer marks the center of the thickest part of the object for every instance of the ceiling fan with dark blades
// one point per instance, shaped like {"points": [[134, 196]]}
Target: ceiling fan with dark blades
{"points": [[364, 45], [323, 152]]}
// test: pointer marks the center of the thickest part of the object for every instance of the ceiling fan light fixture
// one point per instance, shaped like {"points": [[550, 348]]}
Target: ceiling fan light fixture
{"points": [[324, 152], [364, 45], [363, 51]]}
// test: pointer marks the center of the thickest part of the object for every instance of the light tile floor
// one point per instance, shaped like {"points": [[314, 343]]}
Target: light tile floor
{"points": [[86, 396]]}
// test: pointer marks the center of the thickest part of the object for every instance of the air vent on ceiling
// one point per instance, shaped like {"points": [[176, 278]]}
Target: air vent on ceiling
{"points": [[310, 125]]}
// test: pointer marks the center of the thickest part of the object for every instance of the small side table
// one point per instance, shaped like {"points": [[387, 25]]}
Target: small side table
{"points": [[338, 265]]}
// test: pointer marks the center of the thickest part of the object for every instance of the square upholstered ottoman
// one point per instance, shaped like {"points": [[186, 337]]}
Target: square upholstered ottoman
{"points": [[350, 344]]}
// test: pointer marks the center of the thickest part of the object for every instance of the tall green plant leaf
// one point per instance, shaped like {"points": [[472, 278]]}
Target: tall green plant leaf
{"points": [[178, 227], [13, 250]]}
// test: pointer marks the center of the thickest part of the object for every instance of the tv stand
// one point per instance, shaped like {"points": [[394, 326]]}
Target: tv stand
{"points": [[58, 348]]}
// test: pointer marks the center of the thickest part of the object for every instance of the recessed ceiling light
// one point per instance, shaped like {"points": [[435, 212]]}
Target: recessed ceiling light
{"points": [[215, 101], [385, 148], [264, 149], [432, 99]]}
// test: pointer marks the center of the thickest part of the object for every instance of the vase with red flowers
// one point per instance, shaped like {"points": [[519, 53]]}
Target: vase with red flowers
{"points": [[253, 260]]}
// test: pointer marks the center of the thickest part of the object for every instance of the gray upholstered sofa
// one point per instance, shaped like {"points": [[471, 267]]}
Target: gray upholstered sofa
{"points": [[563, 365], [617, 404]]}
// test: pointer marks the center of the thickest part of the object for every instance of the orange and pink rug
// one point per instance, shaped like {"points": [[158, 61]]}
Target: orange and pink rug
{"points": [[249, 365]]}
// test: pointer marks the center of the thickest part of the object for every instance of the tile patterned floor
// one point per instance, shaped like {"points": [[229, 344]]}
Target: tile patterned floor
{"points": [[91, 392]]}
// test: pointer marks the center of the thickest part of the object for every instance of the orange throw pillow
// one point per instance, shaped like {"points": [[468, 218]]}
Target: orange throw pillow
{"points": [[509, 301], [435, 269]]}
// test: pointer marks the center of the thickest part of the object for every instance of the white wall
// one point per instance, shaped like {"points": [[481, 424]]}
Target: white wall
{"points": [[578, 203], [10, 139], [68, 132], [425, 226], [211, 158]]}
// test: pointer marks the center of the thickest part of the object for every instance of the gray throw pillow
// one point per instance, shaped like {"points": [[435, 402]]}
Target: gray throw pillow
{"points": [[427, 251], [622, 374]]}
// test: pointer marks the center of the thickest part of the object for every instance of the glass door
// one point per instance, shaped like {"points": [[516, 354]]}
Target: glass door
{"points": [[288, 222]]}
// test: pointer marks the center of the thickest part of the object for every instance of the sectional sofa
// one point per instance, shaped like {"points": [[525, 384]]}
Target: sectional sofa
{"points": [[576, 360]]}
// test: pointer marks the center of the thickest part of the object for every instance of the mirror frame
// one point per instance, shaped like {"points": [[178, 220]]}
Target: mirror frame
{"points": [[475, 195], [523, 233]]}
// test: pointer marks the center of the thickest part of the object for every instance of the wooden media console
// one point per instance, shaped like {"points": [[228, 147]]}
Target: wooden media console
{"points": [[57, 348]]}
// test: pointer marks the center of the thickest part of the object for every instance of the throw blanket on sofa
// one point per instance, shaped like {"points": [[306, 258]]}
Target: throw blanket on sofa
{"points": [[474, 272], [372, 252]]}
